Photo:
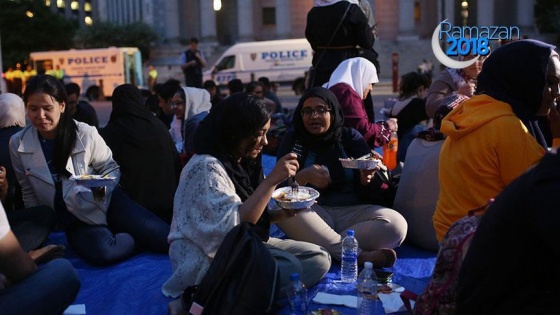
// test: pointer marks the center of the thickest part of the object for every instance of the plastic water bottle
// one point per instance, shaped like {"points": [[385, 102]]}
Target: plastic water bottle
{"points": [[349, 261], [297, 296], [367, 290]]}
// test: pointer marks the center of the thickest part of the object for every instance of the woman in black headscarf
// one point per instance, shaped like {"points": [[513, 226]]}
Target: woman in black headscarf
{"points": [[319, 131], [142, 147], [223, 185], [493, 137]]}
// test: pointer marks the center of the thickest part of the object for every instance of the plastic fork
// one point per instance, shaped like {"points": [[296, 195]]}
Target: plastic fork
{"points": [[298, 150]]}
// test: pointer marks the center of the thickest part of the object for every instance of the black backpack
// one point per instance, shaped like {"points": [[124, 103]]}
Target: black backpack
{"points": [[243, 278]]}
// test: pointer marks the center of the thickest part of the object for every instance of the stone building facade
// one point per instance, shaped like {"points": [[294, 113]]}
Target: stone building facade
{"points": [[253, 20], [404, 26]]}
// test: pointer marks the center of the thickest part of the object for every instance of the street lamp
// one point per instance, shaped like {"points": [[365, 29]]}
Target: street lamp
{"points": [[217, 5], [465, 12]]}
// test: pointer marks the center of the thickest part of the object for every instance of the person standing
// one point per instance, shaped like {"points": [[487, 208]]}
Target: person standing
{"points": [[152, 77], [192, 62], [17, 80], [335, 29]]}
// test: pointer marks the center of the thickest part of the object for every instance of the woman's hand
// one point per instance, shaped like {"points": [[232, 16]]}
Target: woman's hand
{"points": [[317, 175], [466, 89], [285, 167], [367, 175], [3, 184], [393, 125]]}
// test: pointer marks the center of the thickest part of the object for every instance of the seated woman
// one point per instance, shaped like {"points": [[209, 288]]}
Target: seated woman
{"points": [[343, 204], [103, 224], [410, 110], [453, 81], [418, 191], [493, 137], [223, 185], [141, 145], [352, 82]]}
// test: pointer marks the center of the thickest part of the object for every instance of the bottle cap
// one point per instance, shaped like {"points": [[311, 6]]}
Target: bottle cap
{"points": [[368, 265], [294, 276], [350, 232]]}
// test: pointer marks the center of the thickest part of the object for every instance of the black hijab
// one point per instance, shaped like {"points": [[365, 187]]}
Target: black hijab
{"points": [[236, 118], [516, 74], [328, 139], [143, 148]]}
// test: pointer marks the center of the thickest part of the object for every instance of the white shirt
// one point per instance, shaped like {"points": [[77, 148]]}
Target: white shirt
{"points": [[4, 225]]}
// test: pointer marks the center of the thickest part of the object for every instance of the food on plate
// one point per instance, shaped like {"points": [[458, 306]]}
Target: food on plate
{"points": [[288, 196]]}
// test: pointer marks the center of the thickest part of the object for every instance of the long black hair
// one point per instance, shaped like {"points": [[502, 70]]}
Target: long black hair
{"points": [[66, 131], [239, 116]]}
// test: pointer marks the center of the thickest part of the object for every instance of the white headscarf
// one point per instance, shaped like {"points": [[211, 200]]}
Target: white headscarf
{"points": [[196, 101], [357, 72], [12, 111], [324, 3]]}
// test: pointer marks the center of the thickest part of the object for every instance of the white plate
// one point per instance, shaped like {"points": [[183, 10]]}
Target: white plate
{"points": [[93, 180], [305, 199], [368, 164]]}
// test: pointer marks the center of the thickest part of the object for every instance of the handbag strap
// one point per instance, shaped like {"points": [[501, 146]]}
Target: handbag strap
{"points": [[333, 34]]}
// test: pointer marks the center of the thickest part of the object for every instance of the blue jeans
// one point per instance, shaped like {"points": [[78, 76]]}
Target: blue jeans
{"points": [[50, 290], [130, 228]]}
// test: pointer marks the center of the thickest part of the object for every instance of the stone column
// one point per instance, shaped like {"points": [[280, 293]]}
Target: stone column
{"points": [[81, 12], [207, 21], [171, 20], [407, 29], [485, 13], [525, 16], [245, 20], [283, 20], [449, 11]]}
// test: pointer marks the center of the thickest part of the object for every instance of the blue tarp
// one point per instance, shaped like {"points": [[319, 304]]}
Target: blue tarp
{"points": [[134, 286]]}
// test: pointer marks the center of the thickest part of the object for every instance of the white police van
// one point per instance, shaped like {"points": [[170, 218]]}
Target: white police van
{"points": [[280, 60], [95, 70]]}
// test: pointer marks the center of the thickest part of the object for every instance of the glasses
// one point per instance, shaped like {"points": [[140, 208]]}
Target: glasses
{"points": [[320, 111]]}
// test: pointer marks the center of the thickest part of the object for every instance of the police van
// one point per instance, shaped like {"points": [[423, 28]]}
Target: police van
{"points": [[95, 70], [279, 60]]}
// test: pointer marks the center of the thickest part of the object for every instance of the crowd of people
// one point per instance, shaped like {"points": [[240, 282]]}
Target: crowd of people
{"points": [[465, 136]]}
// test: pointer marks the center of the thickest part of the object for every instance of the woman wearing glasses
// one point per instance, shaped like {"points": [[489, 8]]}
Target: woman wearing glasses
{"points": [[190, 105], [319, 130]]}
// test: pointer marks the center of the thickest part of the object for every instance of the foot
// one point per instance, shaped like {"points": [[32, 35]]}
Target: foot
{"points": [[381, 258], [175, 307], [47, 253]]}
